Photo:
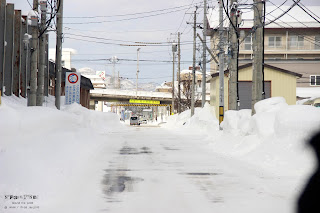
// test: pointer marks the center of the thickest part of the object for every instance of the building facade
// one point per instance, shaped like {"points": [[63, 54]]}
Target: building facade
{"points": [[277, 82], [290, 43]]}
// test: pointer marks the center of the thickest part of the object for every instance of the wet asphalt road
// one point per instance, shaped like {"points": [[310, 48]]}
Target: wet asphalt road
{"points": [[156, 170]]}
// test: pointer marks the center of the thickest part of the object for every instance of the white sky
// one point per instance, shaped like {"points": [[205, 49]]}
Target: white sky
{"points": [[148, 29]]}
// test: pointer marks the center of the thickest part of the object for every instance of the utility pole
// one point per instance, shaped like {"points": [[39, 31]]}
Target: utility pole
{"points": [[17, 53], [174, 50], [118, 81], [221, 64], [24, 58], [209, 51], [46, 70], [178, 77], [32, 98], [193, 62], [8, 60], [114, 60], [204, 45], [42, 50], [58, 68], [257, 84], [137, 71], [2, 41], [233, 67]]}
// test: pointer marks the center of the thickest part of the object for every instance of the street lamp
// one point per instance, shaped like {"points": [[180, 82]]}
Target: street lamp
{"points": [[137, 71]]}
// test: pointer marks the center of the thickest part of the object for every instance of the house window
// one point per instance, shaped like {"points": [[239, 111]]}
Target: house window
{"points": [[274, 41], [296, 41], [315, 80], [317, 42], [248, 42]]}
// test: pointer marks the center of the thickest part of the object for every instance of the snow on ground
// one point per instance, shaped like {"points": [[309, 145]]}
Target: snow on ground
{"points": [[275, 138], [42, 151], [60, 156]]}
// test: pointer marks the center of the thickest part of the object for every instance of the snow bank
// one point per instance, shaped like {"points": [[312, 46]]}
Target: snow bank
{"points": [[65, 139], [203, 120], [274, 138]]}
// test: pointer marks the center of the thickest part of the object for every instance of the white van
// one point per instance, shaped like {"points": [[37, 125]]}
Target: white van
{"points": [[134, 120]]}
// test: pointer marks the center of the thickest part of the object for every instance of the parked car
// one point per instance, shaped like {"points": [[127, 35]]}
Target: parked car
{"points": [[143, 121], [134, 120]]}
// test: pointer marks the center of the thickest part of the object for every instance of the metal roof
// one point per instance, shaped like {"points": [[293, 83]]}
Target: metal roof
{"points": [[265, 65]]}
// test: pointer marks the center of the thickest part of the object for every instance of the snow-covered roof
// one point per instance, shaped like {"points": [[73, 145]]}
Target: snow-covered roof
{"points": [[308, 92], [295, 18], [190, 71]]}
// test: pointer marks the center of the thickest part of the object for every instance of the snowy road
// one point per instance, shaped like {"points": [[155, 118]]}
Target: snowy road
{"points": [[156, 170], [88, 162]]}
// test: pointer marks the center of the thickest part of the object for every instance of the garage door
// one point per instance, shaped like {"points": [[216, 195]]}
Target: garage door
{"points": [[245, 94]]}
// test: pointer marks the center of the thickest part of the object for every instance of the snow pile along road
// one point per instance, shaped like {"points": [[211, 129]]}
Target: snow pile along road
{"points": [[274, 138], [43, 152]]}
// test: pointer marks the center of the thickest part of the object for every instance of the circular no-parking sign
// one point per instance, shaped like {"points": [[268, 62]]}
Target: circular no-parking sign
{"points": [[73, 78]]}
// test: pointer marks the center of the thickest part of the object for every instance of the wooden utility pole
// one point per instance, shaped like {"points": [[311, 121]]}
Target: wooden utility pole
{"points": [[2, 41], [209, 51], [221, 64], [193, 63], [233, 67], [58, 68], [8, 66], [257, 77], [16, 53], [42, 55], [174, 49], [32, 98], [204, 61], [46, 68], [137, 72], [24, 60], [179, 77]]}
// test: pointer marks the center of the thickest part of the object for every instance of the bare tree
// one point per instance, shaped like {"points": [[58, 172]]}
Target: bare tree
{"points": [[186, 91]]}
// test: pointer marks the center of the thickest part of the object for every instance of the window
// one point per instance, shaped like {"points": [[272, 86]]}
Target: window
{"points": [[317, 42], [248, 42], [296, 41], [274, 41], [315, 80], [300, 41]]}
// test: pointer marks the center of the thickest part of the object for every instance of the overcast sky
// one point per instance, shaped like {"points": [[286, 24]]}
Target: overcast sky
{"points": [[150, 21]]}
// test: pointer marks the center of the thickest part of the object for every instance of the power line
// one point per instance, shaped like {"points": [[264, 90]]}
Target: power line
{"points": [[184, 17], [29, 4], [276, 18], [282, 14], [130, 60], [306, 11], [297, 34], [309, 10], [136, 42], [118, 44], [132, 14], [126, 19], [278, 7], [102, 31], [290, 16]]}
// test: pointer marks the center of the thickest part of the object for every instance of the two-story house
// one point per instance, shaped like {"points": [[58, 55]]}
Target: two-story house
{"points": [[291, 43]]}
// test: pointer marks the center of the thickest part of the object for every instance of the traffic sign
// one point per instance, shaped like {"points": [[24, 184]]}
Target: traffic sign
{"points": [[72, 88]]}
